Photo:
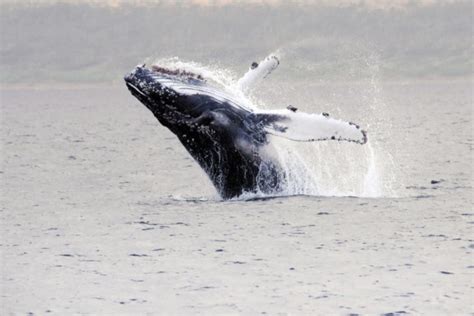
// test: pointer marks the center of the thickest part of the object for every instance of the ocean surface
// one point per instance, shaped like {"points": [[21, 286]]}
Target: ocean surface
{"points": [[103, 211]]}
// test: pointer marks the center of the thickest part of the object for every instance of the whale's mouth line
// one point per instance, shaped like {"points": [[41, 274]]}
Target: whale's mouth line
{"points": [[135, 89]]}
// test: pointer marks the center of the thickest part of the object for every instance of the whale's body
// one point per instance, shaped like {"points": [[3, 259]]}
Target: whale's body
{"points": [[227, 138]]}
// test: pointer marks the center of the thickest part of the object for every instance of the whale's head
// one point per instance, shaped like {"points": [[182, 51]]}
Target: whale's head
{"points": [[162, 90]]}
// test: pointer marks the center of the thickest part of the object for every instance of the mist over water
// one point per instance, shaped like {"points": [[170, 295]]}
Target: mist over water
{"points": [[94, 43]]}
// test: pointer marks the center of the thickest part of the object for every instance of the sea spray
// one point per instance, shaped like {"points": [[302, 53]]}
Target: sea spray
{"points": [[372, 187], [376, 153]]}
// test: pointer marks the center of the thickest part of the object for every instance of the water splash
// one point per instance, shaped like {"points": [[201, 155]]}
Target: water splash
{"points": [[373, 186], [214, 74]]}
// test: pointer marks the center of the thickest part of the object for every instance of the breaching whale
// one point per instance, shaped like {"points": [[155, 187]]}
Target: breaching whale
{"points": [[227, 137]]}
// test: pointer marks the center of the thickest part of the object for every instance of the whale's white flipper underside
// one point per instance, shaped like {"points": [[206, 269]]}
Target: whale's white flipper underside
{"points": [[257, 72], [304, 127], [295, 125]]}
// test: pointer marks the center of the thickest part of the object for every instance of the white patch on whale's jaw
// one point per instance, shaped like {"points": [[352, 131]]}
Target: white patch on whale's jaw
{"points": [[137, 90]]}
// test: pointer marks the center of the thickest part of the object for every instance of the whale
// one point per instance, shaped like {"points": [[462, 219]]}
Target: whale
{"points": [[229, 138]]}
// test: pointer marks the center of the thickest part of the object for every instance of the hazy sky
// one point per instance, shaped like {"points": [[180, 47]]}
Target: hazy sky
{"points": [[381, 4], [82, 42]]}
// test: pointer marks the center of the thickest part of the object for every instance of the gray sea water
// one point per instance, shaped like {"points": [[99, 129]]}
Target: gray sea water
{"points": [[104, 212]]}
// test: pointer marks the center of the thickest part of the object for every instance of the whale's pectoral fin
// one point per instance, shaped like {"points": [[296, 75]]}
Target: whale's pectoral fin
{"points": [[257, 72], [304, 127]]}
